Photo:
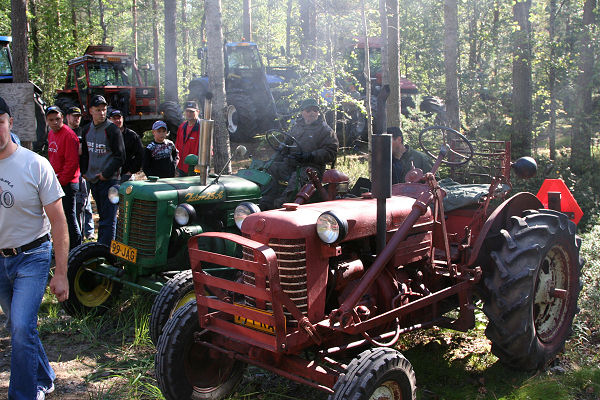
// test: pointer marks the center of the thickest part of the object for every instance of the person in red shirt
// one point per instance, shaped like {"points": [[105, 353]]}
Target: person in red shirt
{"points": [[63, 154], [188, 136]]}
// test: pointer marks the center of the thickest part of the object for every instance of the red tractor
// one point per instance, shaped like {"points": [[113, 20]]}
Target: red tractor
{"points": [[320, 282]]}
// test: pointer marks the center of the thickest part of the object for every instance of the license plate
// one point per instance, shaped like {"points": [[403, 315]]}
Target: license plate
{"points": [[123, 251], [259, 326]]}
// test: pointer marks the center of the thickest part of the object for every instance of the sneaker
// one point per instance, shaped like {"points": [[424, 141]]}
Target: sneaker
{"points": [[43, 391]]}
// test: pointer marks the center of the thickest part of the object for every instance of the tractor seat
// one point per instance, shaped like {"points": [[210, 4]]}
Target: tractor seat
{"points": [[462, 195]]}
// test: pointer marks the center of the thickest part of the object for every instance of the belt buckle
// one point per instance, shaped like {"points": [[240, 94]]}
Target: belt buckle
{"points": [[4, 254]]}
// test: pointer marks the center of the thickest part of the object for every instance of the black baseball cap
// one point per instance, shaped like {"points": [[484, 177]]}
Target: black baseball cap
{"points": [[98, 100], [114, 113], [74, 110], [4, 109], [53, 109], [191, 105]]}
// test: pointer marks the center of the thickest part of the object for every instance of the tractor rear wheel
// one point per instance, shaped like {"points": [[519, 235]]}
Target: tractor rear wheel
{"points": [[532, 290], [175, 294], [172, 115], [241, 117], [88, 291], [186, 369], [377, 374]]}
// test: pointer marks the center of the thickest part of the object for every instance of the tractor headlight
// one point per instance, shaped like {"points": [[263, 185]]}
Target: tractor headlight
{"points": [[331, 228], [184, 213], [113, 194], [242, 211]]}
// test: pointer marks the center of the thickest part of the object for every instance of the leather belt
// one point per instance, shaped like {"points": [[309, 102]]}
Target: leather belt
{"points": [[17, 250]]}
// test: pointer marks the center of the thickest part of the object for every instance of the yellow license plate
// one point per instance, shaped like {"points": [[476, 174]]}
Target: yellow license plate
{"points": [[123, 251], [259, 326]]}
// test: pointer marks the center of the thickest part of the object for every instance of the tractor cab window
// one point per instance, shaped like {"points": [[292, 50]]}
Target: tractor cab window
{"points": [[81, 80], [70, 79], [243, 57], [111, 74], [5, 67]]}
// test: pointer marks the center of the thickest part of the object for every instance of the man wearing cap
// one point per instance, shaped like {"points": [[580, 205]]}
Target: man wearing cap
{"points": [[188, 136], [83, 200], [63, 154], [30, 208], [405, 157], [161, 155], [318, 146], [102, 157], [134, 150]]}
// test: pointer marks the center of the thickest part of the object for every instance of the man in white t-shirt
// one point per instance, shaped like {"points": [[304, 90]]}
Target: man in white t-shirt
{"points": [[30, 208]]}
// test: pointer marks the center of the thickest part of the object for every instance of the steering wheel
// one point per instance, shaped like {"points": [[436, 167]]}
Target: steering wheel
{"points": [[276, 139], [460, 149]]}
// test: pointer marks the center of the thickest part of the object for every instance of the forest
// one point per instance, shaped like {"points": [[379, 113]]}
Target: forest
{"points": [[522, 70]]}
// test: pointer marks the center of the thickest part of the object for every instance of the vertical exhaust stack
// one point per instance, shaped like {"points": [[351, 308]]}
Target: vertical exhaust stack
{"points": [[206, 140]]}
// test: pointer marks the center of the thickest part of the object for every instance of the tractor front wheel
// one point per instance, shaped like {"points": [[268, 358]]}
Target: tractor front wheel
{"points": [[532, 289], [188, 370], [175, 294], [377, 374], [89, 291]]}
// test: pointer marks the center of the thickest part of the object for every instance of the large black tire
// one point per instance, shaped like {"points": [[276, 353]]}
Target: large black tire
{"points": [[87, 291], [41, 133], [185, 369], [434, 105], [172, 115], [175, 294], [65, 101], [197, 90], [242, 123], [379, 373], [528, 321]]}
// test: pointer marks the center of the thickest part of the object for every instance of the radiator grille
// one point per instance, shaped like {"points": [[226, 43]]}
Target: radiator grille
{"points": [[141, 226], [291, 263]]}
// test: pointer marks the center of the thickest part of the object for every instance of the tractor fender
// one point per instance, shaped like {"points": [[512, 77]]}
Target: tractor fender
{"points": [[498, 220]]}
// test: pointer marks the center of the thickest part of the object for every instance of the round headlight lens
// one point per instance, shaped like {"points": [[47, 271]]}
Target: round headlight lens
{"points": [[184, 213], [331, 228], [113, 194], [242, 211]]}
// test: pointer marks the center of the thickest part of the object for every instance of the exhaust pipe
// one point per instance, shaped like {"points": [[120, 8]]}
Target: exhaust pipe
{"points": [[205, 141]]}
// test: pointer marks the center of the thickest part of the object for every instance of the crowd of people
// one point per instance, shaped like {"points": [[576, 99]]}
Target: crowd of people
{"points": [[50, 200]]}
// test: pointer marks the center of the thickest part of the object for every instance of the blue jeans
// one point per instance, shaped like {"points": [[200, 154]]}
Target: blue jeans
{"points": [[23, 280], [68, 203], [107, 211]]}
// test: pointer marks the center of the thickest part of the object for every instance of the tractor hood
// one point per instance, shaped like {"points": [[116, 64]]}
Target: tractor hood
{"points": [[188, 190], [299, 221]]}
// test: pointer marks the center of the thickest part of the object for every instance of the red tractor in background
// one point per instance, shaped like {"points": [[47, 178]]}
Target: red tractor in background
{"points": [[114, 75], [319, 282]]}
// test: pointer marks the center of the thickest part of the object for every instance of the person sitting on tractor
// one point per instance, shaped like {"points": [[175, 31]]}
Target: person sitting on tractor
{"points": [[403, 157], [311, 143]]}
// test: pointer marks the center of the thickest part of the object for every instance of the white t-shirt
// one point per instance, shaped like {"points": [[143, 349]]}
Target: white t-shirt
{"points": [[27, 184]]}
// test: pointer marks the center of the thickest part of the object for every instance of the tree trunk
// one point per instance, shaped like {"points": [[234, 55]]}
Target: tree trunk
{"points": [[170, 51], [102, 23], [247, 20], [584, 113], [308, 24], [552, 79], [385, 73], [288, 30], [35, 53], [186, 40], [134, 33], [216, 79], [18, 24], [451, 63], [155, 45], [73, 20], [393, 104], [521, 81]]}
